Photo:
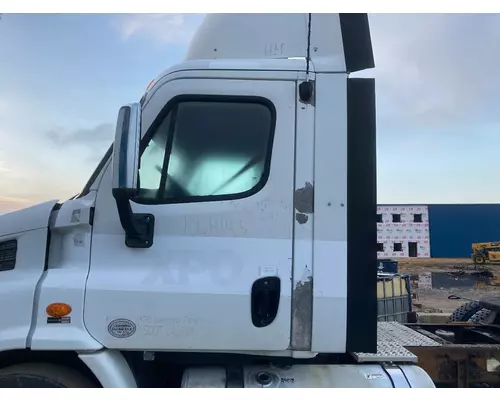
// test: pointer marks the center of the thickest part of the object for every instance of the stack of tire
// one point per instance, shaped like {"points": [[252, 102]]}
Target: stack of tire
{"points": [[473, 312]]}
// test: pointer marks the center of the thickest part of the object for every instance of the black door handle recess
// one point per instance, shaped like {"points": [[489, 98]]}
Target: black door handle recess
{"points": [[266, 293]]}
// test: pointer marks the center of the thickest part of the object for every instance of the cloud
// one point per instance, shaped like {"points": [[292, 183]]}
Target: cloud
{"points": [[91, 137], [95, 140], [163, 28], [437, 69]]}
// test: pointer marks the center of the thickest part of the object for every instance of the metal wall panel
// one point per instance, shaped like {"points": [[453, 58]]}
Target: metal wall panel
{"points": [[454, 227]]}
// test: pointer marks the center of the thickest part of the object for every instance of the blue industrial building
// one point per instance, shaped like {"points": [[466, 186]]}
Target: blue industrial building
{"points": [[454, 227]]}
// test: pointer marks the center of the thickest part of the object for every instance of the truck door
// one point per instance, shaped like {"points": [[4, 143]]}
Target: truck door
{"points": [[217, 173]]}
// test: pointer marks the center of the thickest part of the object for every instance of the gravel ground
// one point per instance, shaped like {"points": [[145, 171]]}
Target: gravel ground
{"points": [[436, 300]]}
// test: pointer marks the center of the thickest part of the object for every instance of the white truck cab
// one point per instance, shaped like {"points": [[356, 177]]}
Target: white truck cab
{"points": [[233, 219]]}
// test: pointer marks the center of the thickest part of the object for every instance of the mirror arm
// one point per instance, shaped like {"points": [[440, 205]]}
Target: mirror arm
{"points": [[125, 211], [139, 228]]}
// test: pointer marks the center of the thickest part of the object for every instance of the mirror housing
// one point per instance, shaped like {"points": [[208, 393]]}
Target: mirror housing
{"points": [[126, 149], [139, 228]]}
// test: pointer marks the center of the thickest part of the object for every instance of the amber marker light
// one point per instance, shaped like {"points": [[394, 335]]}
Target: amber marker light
{"points": [[58, 310]]}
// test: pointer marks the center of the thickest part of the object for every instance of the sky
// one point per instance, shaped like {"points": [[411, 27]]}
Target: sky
{"points": [[63, 78]]}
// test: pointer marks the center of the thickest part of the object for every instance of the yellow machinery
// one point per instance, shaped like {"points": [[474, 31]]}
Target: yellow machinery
{"points": [[488, 251]]}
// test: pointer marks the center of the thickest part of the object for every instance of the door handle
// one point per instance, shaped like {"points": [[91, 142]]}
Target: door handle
{"points": [[265, 299]]}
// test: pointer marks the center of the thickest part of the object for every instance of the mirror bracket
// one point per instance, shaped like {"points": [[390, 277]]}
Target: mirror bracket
{"points": [[143, 237], [138, 227]]}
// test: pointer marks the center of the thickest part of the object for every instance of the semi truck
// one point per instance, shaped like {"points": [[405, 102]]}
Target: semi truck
{"points": [[228, 236]]}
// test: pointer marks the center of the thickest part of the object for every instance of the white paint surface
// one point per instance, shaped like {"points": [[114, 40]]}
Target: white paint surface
{"points": [[270, 36], [27, 219], [64, 281], [17, 287], [110, 368], [330, 215], [191, 289]]}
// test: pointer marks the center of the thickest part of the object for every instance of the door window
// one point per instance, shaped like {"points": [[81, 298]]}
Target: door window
{"points": [[207, 149]]}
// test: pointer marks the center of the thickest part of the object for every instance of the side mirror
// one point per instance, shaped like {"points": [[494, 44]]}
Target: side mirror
{"points": [[139, 228]]}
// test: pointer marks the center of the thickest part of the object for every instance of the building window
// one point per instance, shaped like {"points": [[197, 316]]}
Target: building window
{"points": [[417, 218], [379, 218], [207, 149], [396, 218], [380, 247], [398, 247]]}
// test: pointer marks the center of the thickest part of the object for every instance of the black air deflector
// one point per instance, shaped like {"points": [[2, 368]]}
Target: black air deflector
{"points": [[357, 42], [361, 217], [8, 255]]}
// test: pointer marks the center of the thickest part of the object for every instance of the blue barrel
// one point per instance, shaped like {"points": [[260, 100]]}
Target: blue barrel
{"points": [[388, 266]]}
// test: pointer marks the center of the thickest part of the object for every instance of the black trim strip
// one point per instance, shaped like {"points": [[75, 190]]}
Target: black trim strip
{"points": [[124, 121], [357, 42], [361, 217], [96, 172], [168, 150]]}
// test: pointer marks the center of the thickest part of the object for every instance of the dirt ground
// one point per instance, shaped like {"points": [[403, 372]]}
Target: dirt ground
{"points": [[417, 265], [435, 300]]}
